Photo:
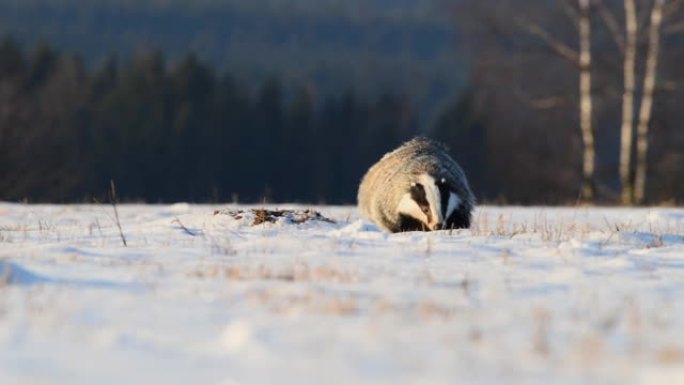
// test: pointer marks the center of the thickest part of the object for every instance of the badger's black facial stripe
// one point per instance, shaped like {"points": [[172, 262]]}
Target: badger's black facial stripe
{"points": [[418, 196], [444, 193]]}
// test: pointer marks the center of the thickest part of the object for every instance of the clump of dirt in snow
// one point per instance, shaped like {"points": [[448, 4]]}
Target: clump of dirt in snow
{"points": [[262, 216]]}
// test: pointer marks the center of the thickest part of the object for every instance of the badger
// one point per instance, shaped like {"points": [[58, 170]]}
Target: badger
{"points": [[416, 187]]}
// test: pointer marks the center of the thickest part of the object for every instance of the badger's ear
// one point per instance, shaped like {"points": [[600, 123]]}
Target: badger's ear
{"points": [[443, 180], [413, 184]]}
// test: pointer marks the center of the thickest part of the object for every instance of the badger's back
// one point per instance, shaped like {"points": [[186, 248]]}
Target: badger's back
{"points": [[386, 181]]}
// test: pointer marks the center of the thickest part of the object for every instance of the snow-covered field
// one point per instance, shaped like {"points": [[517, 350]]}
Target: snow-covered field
{"points": [[528, 296]]}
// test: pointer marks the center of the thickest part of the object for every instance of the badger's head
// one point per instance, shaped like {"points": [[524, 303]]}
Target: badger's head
{"points": [[429, 201]]}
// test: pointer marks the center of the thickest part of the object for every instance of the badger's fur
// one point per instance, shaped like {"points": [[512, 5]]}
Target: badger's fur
{"points": [[416, 187]]}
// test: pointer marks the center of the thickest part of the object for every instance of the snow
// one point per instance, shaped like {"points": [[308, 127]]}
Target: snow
{"points": [[527, 296]]}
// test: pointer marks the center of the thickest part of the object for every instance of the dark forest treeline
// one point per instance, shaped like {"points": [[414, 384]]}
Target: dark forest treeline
{"points": [[180, 133], [370, 46], [185, 132]]}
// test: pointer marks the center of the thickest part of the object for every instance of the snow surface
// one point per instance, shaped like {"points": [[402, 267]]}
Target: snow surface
{"points": [[528, 296]]}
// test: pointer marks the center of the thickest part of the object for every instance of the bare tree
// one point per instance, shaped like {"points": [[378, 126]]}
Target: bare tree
{"points": [[629, 76], [610, 81], [583, 60], [647, 102], [586, 105], [633, 183]]}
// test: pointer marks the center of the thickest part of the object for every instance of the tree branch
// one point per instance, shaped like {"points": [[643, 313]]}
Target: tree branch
{"points": [[644, 19], [672, 8], [546, 103], [570, 12], [675, 28], [556, 45], [612, 23]]}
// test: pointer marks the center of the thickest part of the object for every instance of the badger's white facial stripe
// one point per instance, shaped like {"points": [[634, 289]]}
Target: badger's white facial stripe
{"points": [[409, 207], [454, 201], [433, 197]]}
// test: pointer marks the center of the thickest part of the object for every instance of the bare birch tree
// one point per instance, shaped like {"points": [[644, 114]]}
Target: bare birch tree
{"points": [[629, 76], [586, 106], [583, 60], [646, 109], [622, 82], [633, 183]]}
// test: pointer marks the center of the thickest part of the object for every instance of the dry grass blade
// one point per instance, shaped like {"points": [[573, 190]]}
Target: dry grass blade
{"points": [[112, 198], [185, 229]]}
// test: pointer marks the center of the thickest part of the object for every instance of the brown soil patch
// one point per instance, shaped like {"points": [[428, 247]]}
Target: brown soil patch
{"points": [[262, 216]]}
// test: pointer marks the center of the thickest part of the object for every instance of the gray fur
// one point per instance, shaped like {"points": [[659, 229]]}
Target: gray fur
{"points": [[390, 178]]}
